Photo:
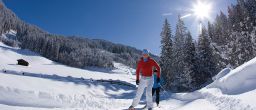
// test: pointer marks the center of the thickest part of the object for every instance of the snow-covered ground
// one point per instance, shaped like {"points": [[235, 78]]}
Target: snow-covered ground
{"points": [[47, 85]]}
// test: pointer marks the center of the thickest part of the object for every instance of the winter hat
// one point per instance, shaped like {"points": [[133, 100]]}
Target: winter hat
{"points": [[145, 51]]}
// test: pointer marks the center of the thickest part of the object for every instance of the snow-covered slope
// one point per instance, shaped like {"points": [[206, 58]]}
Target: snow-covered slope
{"points": [[47, 85]]}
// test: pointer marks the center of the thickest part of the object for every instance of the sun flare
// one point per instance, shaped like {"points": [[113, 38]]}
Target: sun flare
{"points": [[202, 10]]}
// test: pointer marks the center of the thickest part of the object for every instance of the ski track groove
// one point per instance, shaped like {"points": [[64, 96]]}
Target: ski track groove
{"points": [[55, 100], [227, 103]]}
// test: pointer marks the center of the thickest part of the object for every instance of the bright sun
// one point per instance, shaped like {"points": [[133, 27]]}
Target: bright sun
{"points": [[202, 10]]}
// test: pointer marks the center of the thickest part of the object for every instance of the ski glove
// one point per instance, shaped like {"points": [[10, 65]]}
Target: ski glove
{"points": [[137, 82], [158, 80]]}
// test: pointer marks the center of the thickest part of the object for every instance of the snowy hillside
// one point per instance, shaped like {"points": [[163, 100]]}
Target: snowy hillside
{"points": [[47, 85]]}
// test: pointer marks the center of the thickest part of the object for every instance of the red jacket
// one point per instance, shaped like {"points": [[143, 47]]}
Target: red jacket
{"points": [[146, 68]]}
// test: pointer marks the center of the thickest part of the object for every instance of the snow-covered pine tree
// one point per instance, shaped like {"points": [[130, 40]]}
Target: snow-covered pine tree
{"points": [[178, 53], [221, 29], [189, 81], [253, 34], [251, 7], [219, 47], [233, 37], [219, 37], [241, 44], [232, 18], [166, 55], [206, 66]]}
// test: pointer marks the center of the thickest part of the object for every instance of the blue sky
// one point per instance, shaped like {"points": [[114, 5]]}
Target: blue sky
{"points": [[136, 23]]}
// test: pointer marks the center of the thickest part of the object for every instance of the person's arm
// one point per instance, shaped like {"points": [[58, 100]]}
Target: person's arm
{"points": [[138, 71], [155, 64]]}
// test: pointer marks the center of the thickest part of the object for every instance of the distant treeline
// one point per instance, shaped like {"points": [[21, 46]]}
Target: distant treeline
{"points": [[73, 51]]}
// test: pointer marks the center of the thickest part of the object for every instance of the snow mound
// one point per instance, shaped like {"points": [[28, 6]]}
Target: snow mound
{"points": [[222, 73], [240, 80]]}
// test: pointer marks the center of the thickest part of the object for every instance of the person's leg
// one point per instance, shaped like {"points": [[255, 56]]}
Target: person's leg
{"points": [[157, 95], [153, 91], [139, 92], [149, 93]]}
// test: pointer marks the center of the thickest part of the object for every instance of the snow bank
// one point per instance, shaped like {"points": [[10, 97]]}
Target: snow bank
{"points": [[231, 90], [222, 73], [240, 80]]}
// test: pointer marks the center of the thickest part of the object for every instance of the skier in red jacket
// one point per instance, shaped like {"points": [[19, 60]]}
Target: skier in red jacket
{"points": [[145, 67]]}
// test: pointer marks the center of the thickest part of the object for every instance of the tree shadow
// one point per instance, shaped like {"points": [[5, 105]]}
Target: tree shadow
{"points": [[98, 69], [21, 51]]}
